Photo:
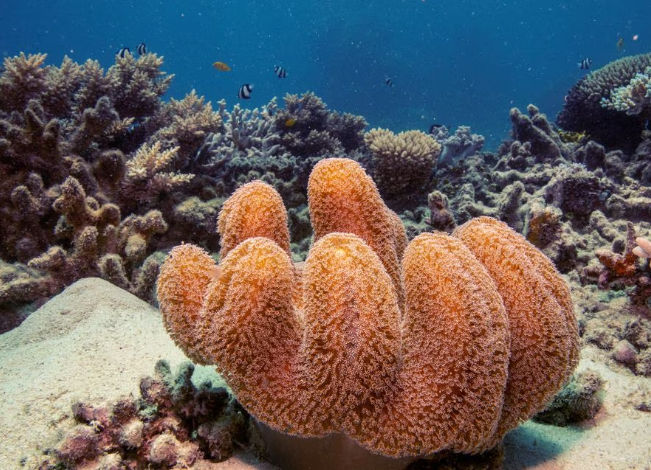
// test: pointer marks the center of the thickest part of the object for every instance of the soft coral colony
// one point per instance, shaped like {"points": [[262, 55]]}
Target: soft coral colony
{"points": [[405, 350]]}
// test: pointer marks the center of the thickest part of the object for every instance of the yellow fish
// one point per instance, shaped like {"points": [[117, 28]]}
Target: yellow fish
{"points": [[289, 122], [221, 66]]}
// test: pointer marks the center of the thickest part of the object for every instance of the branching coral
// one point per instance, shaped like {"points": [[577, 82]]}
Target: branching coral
{"points": [[75, 155], [185, 124], [102, 243], [246, 149], [308, 128], [145, 178], [402, 162], [457, 146], [23, 78], [332, 348]]}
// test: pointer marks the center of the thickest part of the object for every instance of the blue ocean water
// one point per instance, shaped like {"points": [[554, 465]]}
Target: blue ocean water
{"points": [[451, 62]]}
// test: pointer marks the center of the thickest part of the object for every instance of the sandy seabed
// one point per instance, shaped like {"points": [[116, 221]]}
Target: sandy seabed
{"points": [[94, 341]]}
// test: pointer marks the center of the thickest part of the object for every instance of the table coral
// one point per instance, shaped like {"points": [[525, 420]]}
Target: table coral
{"points": [[484, 338]]}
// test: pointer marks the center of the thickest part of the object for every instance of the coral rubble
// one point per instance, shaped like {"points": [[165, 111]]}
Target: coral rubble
{"points": [[173, 424]]}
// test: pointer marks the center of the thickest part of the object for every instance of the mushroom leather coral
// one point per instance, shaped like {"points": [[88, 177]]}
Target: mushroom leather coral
{"points": [[443, 345]]}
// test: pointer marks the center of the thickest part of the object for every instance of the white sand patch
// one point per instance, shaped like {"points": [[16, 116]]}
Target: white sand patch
{"points": [[93, 342], [619, 438]]}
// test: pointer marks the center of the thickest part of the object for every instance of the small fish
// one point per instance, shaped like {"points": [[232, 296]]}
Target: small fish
{"points": [[585, 64], [620, 44], [224, 67], [123, 52], [142, 49], [280, 71], [388, 81], [245, 91], [289, 122]]}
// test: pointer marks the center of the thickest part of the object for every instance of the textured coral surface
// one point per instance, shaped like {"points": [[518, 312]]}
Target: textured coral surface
{"points": [[345, 355]]}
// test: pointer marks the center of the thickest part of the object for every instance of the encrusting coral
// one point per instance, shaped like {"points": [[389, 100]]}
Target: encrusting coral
{"points": [[332, 347], [624, 270]]}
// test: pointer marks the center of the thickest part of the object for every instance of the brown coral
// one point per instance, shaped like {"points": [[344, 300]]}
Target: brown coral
{"points": [[474, 350], [145, 179], [404, 161]]}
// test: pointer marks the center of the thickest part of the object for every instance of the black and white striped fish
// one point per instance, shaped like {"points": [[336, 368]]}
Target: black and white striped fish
{"points": [[123, 52], [245, 91], [585, 64], [142, 49], [280, 71]]}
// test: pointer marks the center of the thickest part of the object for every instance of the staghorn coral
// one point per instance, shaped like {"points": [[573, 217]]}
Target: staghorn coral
{"points": [[22, 79], [75, 135], [95, 241], [583, 110], [184, 124], [141, 84], [145, 179], [308, 128], [402, 162], [248, 148], [257, 144], [331, 348]]}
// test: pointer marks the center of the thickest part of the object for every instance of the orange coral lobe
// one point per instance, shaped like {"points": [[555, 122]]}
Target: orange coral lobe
{"points": [[182, 284], [544, 335], [343, 198]]}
